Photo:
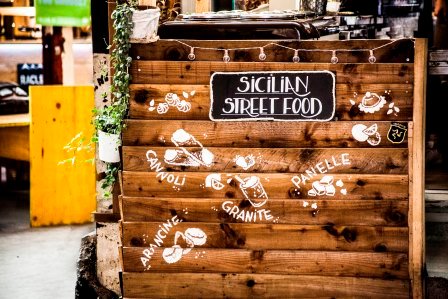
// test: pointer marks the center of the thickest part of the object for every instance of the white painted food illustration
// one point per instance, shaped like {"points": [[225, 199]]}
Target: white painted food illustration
{"points": [[372, 102], [253, 190], [187, 157], [323, 187], [245, 162], [192, 236], [172, 254], [213, 180], [173, 100], [363, 133]]}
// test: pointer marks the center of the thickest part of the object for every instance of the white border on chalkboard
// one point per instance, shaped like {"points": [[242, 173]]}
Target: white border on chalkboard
{"points": [[272, 118]]}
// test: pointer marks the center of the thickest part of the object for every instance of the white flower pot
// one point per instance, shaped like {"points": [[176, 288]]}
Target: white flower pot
{"points": [[145, 24], [108, 147]]}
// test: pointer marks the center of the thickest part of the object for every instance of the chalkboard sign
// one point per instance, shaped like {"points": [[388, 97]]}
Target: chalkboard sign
{"points": [[278, 96], [30, 74]]}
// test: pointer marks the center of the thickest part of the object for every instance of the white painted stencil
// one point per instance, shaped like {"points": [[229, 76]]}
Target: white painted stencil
{"points": [[182, 156], [325, 186], [173, 100], [213, 180], [192, 236], [245, 162], [253, 190], [372, 102], [363, 133]]}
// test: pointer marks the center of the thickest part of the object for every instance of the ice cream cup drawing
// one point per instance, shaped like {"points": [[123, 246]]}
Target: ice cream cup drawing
{"points": [[253, 191]]}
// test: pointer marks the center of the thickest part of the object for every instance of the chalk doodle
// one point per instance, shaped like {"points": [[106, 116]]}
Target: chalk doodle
{"points": [[363, 133], [321, 167], [326, 187], [372, 102], [155, 165], [192, 236], [253, 190], [160, 235], [173, 100], [187, 157], [245, 162], [246, 215], [397, 132], [213, 180]]}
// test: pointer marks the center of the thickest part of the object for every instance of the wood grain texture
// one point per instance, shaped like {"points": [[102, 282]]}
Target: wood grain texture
{"points": [[277, 186], [143, 94], [15, 142], [417, 172], [401, 51], [328, 212], [286, 160], [253, 134], [209, 260], [162, 72], [278, 236], [198, 285]]}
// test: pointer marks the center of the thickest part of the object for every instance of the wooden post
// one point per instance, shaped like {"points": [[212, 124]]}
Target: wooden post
{"points": [[417, 172], [203, 6]]}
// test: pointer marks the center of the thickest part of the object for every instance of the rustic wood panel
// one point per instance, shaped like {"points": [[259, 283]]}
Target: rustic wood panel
{"points": [[400, 51], [201, 260], [417, 172], [162, 72], [143, 94], [368, 161], [198, 285], [342, 212], [277, 186], [279, 236], [253, 134]]}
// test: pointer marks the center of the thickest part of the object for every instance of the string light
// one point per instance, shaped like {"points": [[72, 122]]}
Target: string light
{"points": [[296, 58], [262, 56], [372, 58], [191, 56], [226, 57], [334, 58]]}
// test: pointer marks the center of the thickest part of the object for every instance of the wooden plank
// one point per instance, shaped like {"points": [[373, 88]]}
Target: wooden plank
{"points": [[278, 236], [253, 134], [15, 142], [198, 285], [161, 72], [327, 212], [15, 120], [209, 260], [295, 160], [417, 172], [277, 186], [57, 115], [401, 51], [143, 94]]}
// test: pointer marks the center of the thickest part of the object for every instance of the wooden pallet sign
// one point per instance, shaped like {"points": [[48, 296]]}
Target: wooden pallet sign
{"points": [[274, 179], [277, 96]]}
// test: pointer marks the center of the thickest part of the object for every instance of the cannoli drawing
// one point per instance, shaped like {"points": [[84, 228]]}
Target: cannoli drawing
{"points": [[187, 157]]}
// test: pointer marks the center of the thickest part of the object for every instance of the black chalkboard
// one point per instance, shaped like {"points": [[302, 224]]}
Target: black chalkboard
{"points": [[277, 96]]}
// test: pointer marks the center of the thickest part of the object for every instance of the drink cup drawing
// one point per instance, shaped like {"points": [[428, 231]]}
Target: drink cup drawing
{"points": [[253, 190]]}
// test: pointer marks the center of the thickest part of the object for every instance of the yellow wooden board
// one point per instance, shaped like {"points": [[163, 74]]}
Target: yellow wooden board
{"points": [[60, 194]]}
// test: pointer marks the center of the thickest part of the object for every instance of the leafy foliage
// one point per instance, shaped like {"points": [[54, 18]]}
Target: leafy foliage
{"points": [[110, 118]]}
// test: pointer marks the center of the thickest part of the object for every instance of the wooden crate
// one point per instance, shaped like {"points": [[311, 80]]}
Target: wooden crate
{"points": [[190, 232]]}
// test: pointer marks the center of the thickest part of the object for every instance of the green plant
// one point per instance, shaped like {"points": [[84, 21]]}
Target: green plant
{"points": [[110, 118]]}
